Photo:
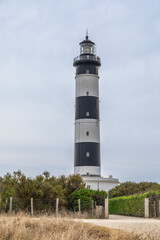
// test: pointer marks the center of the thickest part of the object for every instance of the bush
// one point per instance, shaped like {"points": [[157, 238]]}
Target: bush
{"points": [[133, 205], [86, 196]]}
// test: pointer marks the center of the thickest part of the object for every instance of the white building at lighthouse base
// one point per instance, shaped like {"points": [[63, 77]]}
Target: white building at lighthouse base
{"points": [[100, 183]]}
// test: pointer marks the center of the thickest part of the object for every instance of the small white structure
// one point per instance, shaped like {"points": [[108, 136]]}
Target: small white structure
{"points": [[100, 183]]}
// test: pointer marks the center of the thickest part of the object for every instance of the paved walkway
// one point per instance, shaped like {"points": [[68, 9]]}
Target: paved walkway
{"points": [[149, 228]]}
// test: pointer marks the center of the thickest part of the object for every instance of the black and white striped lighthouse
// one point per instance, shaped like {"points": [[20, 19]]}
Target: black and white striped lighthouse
{"points": [[87, 129]]}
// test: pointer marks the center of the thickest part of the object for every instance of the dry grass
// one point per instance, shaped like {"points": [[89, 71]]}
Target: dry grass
{"points": [[22, 227]]}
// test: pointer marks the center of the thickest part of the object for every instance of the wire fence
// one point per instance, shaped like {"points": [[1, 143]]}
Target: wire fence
{"points": [[35, 206]]}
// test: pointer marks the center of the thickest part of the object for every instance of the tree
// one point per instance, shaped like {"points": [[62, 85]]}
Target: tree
{"points": [[130, 188], [44, 189], [73, 182]]}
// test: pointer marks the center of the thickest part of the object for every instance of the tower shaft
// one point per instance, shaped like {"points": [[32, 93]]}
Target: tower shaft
{"points": [[87, 129]]}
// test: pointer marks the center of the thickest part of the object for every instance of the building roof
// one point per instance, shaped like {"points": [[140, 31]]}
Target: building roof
{"points": [[87, 41]]}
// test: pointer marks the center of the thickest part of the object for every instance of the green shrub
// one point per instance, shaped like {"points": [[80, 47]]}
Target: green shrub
{"points": [[86, 196], [132, 205]]}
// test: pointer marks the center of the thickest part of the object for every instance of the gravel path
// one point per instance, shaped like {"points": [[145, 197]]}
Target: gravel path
{"points": [[149, 228]]}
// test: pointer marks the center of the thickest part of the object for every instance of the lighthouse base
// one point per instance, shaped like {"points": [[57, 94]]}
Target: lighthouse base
{"points": [[87, 170], [100, 183]]}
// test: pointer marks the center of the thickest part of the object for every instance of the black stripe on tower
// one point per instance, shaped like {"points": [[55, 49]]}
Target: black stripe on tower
{"points": [[87, 68], [87, 154], [87, 107]]}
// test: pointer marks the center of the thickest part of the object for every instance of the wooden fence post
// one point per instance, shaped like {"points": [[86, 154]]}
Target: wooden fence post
{"points": [[10, 205], [79, 206], [97, 212], [92, 208], [0, 203], [106, 202], [32, 207], [155, 215], [57, 203], [146, 207]]}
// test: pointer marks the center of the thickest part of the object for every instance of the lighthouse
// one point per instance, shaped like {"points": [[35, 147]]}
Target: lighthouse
{"points": [[87, 162], [87, 134]]}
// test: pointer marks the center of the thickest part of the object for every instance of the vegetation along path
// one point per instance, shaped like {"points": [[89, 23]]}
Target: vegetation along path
{"points": [[148, 228]]}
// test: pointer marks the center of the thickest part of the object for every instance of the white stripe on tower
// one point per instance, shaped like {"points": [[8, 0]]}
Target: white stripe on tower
{"points": [[87, 130], [87, 85]]}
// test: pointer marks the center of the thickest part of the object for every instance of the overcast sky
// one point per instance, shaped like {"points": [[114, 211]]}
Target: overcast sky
{"points": [[38, 41]]}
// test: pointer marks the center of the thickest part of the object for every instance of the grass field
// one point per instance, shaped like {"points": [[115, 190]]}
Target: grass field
{"points": [[22, 227]]}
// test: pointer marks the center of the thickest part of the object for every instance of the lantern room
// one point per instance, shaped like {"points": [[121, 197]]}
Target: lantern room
{"points": [[87, 46]]}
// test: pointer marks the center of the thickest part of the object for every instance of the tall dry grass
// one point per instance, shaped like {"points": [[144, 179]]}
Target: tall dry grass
{"points": [[20, 227]]}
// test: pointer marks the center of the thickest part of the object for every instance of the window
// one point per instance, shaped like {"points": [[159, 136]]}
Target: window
{"points": [[88, 186], [87, 71], [87, 133], [87, 154], [87, 48], [87, 93], [87, 114]]}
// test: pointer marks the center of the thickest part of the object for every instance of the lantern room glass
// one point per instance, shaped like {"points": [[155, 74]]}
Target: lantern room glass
{"points": [[87, 48]]}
